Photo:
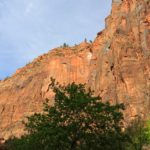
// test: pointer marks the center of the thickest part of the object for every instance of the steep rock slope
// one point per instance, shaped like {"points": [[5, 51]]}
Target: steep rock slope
{"points": [[123, 57], [116, 65], [24, 92]]}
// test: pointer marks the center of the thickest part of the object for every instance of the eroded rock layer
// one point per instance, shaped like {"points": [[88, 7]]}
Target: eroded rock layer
{"points": [[116, 66]]}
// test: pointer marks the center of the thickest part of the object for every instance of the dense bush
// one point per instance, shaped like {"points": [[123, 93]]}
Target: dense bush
{"points": [[77, 121], [139, 134]]}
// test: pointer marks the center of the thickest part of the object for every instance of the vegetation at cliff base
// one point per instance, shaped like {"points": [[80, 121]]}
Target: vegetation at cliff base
{"points": [[77, 121], [139, 134]]}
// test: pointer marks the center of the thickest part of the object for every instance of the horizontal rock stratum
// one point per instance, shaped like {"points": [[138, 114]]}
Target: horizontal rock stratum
{"points": [[116, 66]]}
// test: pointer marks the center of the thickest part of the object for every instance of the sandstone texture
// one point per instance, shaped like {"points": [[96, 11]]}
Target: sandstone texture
{"points": [[116, 66]]}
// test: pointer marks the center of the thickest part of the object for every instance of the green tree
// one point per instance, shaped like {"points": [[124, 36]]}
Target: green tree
{"points": [[65, 45], [139, 134], [77, 121], [85, 40], [91, 41], [147, 132]]}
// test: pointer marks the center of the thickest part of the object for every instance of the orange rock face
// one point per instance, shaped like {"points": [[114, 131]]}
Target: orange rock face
{"points": [[116, 66]]}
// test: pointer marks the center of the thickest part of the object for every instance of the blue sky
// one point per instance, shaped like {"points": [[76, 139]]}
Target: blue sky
{"points": [[29, 28]]}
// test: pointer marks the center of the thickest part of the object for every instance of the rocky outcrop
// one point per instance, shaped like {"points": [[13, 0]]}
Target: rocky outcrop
{"points": [[116, 66], [24, 92], [123, 52]]}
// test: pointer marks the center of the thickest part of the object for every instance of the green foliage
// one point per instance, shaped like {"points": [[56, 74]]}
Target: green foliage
{"points": [[65, 45], [85, 40], [139, 134], [147, 132], [91, 41], [77, 121]]}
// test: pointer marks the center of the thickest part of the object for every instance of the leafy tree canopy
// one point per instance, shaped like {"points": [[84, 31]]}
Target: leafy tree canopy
{"points": [[77, 121]]}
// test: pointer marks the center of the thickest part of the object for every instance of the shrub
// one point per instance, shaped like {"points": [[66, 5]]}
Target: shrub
{"points": [[77, 121], [139, 134]]}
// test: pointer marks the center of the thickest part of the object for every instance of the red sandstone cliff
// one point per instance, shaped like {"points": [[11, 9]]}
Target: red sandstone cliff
{"points": [[116, 65]]}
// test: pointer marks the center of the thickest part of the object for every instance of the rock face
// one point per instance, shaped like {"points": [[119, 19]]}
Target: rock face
{"points": [[116, 66]]}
